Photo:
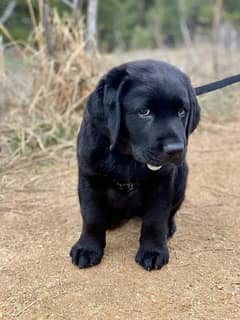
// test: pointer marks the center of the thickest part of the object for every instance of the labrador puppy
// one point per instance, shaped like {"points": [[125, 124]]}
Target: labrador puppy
{"points": [[131, 153]]}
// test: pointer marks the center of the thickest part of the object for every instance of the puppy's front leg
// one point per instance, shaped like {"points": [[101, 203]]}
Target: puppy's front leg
{"points": [[88, 250], [153, 252]]}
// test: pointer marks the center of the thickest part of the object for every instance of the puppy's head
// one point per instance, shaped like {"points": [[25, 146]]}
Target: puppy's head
{"points": [[150, 109]]}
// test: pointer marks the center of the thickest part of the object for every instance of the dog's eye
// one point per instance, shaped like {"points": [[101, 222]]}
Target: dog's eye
{"points": [[181, 112], [144, 112]]}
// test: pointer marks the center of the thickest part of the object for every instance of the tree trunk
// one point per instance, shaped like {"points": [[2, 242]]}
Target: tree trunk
{"points": [[47, 29], [157, 31], [215, 33], [183, 23], [91, 37], [2, 62], [120, 44], [8, 12], [185, 32], [76, 6]]}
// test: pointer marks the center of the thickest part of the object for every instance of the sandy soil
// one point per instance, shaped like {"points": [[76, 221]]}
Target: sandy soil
{"points": [[39, 218]]}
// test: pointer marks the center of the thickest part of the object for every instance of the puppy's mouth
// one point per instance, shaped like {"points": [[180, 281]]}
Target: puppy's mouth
{"points": [[155, 164], [153, 161], [149, 160]]}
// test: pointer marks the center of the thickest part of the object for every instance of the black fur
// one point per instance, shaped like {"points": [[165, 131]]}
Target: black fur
{"points": [[116, 140]]}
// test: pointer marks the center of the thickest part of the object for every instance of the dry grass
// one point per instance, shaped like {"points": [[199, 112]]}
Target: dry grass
{"points": [[42, 106], [62, 83], [46, 102]]}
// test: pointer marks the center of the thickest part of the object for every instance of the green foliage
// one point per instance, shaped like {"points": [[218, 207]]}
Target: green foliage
{"points": [[129, 24], [169, 16], [232, 12], [141, 38], [20, 24], [108, 23]]}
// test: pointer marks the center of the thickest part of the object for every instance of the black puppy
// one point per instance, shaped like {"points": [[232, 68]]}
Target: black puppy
{"points": [[131, 154]]}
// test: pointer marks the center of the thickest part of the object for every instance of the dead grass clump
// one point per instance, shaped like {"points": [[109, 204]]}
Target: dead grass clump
{"points": [[62, 81], [48, 114]]}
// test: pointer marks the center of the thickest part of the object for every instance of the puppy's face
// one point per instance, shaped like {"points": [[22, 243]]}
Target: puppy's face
{"points": [[155, 116], [150, 108]]}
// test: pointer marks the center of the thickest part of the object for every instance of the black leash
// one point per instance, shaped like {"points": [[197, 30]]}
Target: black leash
{"points": [[217, 85]]}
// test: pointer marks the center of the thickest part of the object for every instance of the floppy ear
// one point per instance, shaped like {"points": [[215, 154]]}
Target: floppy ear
{"points": [[94, 104], [114, 82], [194, 116]]}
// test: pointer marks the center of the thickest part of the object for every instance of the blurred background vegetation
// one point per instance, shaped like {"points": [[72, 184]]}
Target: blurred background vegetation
{"points": [[52, 53], [134, 24]]}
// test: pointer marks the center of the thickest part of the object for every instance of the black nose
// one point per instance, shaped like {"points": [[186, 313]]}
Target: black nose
{"points": [[174, 149]]}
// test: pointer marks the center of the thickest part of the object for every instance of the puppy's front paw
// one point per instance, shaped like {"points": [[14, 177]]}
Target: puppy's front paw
{"points": [[84, 257], [152, 259]]}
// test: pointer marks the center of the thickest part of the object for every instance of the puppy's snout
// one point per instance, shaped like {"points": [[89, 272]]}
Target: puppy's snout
{"points": [[174, 149]]}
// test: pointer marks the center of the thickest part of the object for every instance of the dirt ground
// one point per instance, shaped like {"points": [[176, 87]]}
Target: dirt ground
{"points": [[39, 218]]}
